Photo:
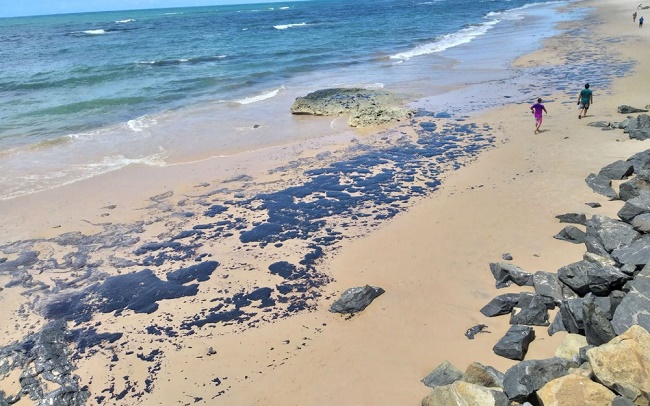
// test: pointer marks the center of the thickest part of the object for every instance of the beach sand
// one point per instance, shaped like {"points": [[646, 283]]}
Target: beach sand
{"points": [[432, 259]]}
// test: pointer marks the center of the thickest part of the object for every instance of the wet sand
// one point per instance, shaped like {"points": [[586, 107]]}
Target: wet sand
{"points": [[429, 251]]}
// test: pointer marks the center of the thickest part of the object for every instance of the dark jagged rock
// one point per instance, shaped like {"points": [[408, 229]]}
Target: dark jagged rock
{"points": [[572, 316], [611, 233], [557, 324], [526, 297], [548, 284], [640, 160], [641, 223], [637, 253], [514, 344], [633, 187], [526, 377], [625, 109], [595, 246], [635, 206], [502, 304], [635, 306], [598, 328], [601, 185], [443, 374], [355, 300], [617, 170], [573, 218], [584, 277], [571, 234], [505, 273], [534, 314]]}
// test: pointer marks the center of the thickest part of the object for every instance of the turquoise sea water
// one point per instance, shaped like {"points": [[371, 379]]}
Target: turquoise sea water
{"points": [[84, 94]]}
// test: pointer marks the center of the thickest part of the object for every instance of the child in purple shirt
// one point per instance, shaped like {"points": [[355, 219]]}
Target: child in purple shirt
{"points": [[537, 109]]}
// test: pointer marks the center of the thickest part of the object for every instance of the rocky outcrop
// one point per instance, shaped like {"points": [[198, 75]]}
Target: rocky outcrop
{"points": [[443, 374], [365, 107], [604, 305]]}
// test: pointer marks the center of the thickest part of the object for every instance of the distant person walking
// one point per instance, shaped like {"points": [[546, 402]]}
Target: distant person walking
{"points": [[537, 109], [585, 99], [640, 21], [634, 16]]}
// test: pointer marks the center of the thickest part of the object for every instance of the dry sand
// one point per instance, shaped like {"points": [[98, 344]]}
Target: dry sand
{"points": [[432, 260]]}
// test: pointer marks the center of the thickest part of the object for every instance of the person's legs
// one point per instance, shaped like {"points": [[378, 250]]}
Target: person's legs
{"points": [[538, 120]]}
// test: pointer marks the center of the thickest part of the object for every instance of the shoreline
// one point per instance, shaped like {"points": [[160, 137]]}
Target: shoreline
{"points": [[515, 182]]}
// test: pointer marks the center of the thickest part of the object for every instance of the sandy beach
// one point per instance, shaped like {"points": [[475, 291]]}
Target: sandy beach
{"points": [[432, 258]]}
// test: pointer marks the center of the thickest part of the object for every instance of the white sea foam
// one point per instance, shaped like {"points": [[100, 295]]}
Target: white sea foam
{"points": [[94, 32], [141, 123], [285, 26], [129, 20], [260, 97], [284, 8], [375, 86], [447, 41]]}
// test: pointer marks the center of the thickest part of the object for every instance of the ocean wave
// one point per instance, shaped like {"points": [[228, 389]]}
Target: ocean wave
{"points": [[284, 8], [128, 20], [166, 62], [34, 183], [260, 97], [285, 26], [447, 41], [92, 32], [141, 123]]}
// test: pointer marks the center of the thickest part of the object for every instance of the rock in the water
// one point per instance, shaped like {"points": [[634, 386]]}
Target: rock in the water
{"points": [[463, 393], [514, 344], [356, 299], [526, 377], [443, 374], [574, 390], [623, 364], [366, 107]]}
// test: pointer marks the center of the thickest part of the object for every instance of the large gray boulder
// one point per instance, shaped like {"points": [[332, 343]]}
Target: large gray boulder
{"points": [[633, 187], [505, 273], [548, 284], [443, 374], [514, 344], [611, 233], [526, 377], [601, 185], [584, 277], [598, 328], [534, 314], [637, 253], [355, 300], [502, 304], [617, 170], [634, 309], [635, 206]]}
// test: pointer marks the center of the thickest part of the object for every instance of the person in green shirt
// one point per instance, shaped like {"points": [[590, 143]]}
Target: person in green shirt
{"points": [[585, 99]]}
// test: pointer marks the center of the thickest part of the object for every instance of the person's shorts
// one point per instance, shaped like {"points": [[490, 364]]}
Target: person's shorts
{"points": [[584, 105], [538, 120]]}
